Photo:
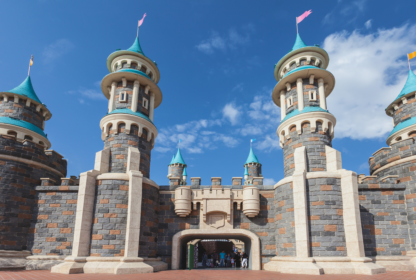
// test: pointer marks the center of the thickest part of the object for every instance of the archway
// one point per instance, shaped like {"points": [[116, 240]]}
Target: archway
{"points": [[180, 240]]}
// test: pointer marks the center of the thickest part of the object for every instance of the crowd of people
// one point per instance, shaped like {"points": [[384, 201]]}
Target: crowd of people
{"points": [[232, 259]]}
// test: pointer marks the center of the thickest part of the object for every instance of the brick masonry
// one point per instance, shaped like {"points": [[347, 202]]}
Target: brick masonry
{"points": [[129, 97], [254, 170], [53, 220], [405, 111], [21, 111], [149, 223]]}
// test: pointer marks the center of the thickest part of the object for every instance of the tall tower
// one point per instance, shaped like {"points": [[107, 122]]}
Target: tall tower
{"points": [[303, 84], [24, 159], [133, 94]]}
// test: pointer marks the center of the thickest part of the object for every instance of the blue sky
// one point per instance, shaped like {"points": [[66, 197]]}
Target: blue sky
{"points": [[216, 61]]}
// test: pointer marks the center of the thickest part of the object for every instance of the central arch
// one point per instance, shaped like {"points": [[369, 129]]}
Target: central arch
{"points": [[183, 237]]}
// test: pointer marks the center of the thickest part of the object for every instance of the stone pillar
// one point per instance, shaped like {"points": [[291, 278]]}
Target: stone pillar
{"points": [[151, 106], [195, 181], [102, 161], [216, 181], [237, 181], [282, 104], [322, 98], [135, 96], [299, 89], [112, 95]]}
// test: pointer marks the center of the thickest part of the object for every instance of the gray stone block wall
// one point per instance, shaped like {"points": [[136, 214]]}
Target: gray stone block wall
{"points": [[384, 219], [53, 220], [149, 222], [314, 142], [17, 188], [170, 224], [263, 225], [119, 144], [254, 170], [291, 93], [176, 170], [110, 218], [21, 111], [326, 223], [308, 87], [129, 90], [405, 111], [285, 221]]}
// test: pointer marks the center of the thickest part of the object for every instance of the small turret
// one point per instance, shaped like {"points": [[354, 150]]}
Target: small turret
{"points": [[177, 169], [252, 168]]}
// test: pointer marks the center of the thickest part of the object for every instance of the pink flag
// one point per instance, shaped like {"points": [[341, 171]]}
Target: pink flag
{"points": [[141, 21], [303, 16]]}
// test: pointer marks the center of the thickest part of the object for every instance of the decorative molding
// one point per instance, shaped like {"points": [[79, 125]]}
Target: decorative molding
{"points": [[27, 161]]}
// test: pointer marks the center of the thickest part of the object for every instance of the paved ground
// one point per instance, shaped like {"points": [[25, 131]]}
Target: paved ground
{"points": [[195, 274]]}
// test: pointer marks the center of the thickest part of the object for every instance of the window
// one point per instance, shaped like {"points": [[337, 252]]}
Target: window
{"points": [[145, 103], [289, 101], [312, 95], [122, 96], [27, 137]]}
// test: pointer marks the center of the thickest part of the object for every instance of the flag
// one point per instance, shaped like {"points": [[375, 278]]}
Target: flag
{"points": [[303, 16], [252, 140], [411, 55], [141, 21], [180, 140], [31, 61]]}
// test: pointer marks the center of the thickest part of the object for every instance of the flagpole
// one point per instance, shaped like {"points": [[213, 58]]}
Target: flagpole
{"points": [[30, 62], [297, 30], [138, 26], [408, 61]]}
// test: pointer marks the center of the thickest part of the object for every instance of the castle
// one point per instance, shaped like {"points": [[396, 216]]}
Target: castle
{"points": [[318, 219]]}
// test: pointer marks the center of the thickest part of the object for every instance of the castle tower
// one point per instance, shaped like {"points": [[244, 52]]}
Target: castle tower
{"points": [[252, 168], [303, 84], [24, 160], [177, 170], [133, 94]]}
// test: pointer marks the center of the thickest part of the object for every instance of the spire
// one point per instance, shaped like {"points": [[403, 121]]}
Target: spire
{"points": [[173, 158], [136, 47], [184, 172], [26, 89], [298, 43], [178, 158], [409, 86], [252, 157], [246, 171]]}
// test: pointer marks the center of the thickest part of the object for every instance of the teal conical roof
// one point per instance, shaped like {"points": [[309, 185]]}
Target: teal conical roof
{"points": [[179, 158], [298, 43], [184, 172], [136, 47], [409, 86], [26, 89], [246, 171], [252, 157], [173, 158]]}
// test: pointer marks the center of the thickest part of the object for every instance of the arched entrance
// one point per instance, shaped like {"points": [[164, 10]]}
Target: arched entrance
{"points": [[180, 240]]}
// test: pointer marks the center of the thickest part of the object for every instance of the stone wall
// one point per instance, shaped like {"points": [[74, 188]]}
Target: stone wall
{"points": [[384, 219], [128, 103], [326, 223], [149, 222], [314, 142], [405, 111], [291, 93], [53, 222], [254, 170], [21, 111], [308, 87], [285, 221], [110, 218], [17, 187]]}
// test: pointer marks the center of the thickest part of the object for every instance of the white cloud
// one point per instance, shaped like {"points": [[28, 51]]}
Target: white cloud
{"points": [[269, 181], [228, 41], [56, 50], [370, 71], [231, 112], [367, 24], [239, 87]]}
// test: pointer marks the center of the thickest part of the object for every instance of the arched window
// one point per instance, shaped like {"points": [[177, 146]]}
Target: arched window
{"points": [[12, 133], [134, 65], [398, 138], [143, 69], [120, 128], [27, 137], [134, 130], [41, 143], [412, 134]]}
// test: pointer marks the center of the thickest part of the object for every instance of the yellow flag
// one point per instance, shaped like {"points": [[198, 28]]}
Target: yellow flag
{"points": [[31, 61], [411, 55]]}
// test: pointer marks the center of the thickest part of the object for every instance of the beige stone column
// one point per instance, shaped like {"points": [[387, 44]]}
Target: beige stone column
{"points": [[299, 89], [282, 104], [102, 161], [151, 106], [300, 204], [135, 96], [322, 97], [112, 95]]}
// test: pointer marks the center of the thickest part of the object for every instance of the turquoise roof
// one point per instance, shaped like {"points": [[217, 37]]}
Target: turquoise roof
{"points": [[298, 43], [409, 86], [136, 47], [246, 171], [184, 172], [133, 71], [20, 123], [301, 68], [130, 112], [26, 89], [173, 158], [402, 125], [178, 158], [252, 157], [305, 110]]}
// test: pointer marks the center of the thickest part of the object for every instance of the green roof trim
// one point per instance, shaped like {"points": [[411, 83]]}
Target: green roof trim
{"points": [[20, 123], [136, 47], [130, 112], [178, 158], [305, 110], [301, 68], [403, 124], [134, 71], [298, 43], [246, 171], [26, 89], [409, 86], [252, 157], [184, 173]]}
